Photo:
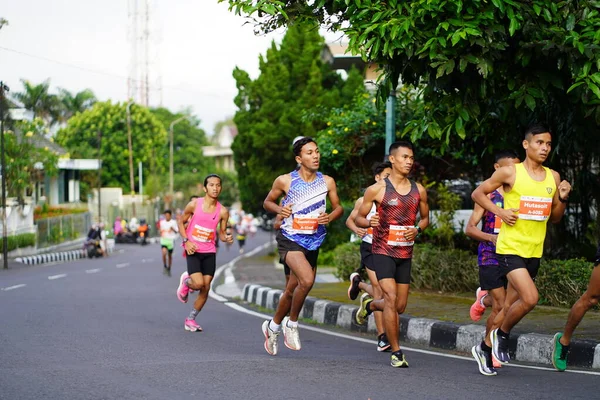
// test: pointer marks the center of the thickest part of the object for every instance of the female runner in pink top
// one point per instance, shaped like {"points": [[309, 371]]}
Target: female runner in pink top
{"points": [[202, 216]]}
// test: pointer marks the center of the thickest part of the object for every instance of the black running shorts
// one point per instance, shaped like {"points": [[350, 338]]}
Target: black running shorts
{"points": [[510, 262], [492, 277], [597, 256], [390, 267], [286, 269], [366, 255], [203, 263], [284, 245]]}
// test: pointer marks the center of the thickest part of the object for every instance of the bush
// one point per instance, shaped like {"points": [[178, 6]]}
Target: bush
{"points": [[326, 258], [445, 270], [337, 231], [346, 258], [561, 282], [18, 241]]}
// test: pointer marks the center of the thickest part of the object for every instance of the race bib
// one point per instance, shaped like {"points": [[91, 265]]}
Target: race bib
{"points": [[305, 224], [202, 234], [370, 230], [396, 236], [535, 208], [497, 224]]}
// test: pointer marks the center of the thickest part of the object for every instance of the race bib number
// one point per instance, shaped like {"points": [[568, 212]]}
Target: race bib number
{"points": [[497, 224], [397, 236], [370, 231], [535, 208], [305, 224], [202, 234]]}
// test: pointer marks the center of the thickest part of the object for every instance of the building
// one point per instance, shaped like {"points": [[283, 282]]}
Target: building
{"points": [[337, 55], [221, 148]]}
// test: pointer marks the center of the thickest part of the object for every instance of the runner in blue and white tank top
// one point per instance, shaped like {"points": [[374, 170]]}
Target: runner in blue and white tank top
{"points": [[302, 233], [381, 171]]}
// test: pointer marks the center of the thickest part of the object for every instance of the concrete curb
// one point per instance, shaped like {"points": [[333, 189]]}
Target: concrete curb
{"points": [[61, 256], [528, 347]]}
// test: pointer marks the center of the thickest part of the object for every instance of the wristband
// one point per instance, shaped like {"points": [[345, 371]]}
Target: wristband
{"points": [[419, 230], [185, 240], [562, 200]]}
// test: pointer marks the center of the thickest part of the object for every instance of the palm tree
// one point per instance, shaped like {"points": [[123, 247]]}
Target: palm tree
{"points": [[38, 99], [73, 104]]}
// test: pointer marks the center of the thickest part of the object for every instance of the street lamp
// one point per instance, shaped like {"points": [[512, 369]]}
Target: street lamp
{"points": [[178, 120], [131, 183]]}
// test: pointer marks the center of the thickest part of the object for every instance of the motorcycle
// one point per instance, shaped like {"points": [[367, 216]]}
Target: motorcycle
{"points": [[143, 231]]}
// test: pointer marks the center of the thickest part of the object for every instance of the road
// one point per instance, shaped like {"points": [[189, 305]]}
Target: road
{"points": [[113, 329]]}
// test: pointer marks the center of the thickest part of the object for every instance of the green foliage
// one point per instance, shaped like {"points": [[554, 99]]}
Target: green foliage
{"points": [[346, 259], [23, 172], [293, 81], [561, 282], [337, 231], [445, 270], [72, 104], [447, 203], [149, 140], [18, 241], [38, 99]]}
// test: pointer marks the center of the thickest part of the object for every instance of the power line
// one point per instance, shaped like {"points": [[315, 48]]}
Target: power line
{"points": [[109, 74]]}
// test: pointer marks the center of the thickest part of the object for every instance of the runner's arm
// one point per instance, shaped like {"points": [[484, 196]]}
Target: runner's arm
{"points": [[473, 231], [223, 236], [336, 208], [187, 214], [423, 208], [559, 207], [280, 187], [350, 220], [365, 208], [503, 176]]}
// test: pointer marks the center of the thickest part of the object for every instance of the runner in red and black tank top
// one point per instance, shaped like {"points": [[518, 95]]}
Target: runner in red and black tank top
{"points": [[395, 210]]}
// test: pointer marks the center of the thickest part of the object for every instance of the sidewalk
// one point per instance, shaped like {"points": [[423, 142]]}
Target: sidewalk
{"points": [[434, 317]]}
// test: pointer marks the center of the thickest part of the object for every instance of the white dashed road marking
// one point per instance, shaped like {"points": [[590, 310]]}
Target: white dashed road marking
{"points": [[53, 277], [93, 271], [14, 287], [122, 265]]}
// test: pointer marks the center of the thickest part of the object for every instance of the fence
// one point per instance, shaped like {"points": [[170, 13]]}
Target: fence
{"points": [[56, 230]]}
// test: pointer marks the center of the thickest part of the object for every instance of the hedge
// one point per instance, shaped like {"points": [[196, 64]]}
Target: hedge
{"points": [[18, 241]]}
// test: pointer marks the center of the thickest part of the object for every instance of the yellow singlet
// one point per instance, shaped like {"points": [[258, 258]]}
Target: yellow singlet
{"points": [[533, 199]]}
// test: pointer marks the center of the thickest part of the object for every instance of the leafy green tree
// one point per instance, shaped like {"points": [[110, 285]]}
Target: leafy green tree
{"points": [[38, 99], [23, 172], [72, 104], [226, 122], [149, 140], [272, 109]]}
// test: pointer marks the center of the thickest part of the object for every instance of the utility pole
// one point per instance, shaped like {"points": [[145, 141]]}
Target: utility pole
{"points": [[99, 176], [390, 123], [130, 146], [3, 90]]}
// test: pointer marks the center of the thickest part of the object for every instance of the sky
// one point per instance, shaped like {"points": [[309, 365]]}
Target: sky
{"points": [[80, 44]]}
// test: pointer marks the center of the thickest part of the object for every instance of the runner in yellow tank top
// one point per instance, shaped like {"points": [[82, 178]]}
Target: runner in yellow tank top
{"points": [[532, 197]]}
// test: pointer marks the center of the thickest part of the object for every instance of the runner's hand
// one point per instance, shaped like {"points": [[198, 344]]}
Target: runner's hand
{"points": [[229, 239], [190, 248], [286, 211], [493, 239], [411, 234], [360, 232], [509, 215], [374, 221], [564, 189], [323, 219]]}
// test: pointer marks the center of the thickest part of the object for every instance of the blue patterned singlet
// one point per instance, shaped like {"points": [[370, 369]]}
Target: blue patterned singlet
{"points": [[308, 200]]}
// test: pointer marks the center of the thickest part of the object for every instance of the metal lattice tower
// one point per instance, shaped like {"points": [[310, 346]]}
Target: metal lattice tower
{"points": [[139, 36]]}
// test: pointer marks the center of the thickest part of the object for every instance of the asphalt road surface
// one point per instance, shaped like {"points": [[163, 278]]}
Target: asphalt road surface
{"points": [[113, 329]]}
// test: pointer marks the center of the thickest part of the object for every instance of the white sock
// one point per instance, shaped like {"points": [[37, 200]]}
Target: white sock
{"points": [[292, 324], [274, 327]]}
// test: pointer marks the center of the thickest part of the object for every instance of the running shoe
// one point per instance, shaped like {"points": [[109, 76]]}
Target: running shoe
{"points": [[559, 353], [291, 336], [398, 360], [362, 313], [182, 289], [495, 362], [484, 360], [477, 309], [270, 338], [500, 347], [191, 325], [382, 343], [354, 290]]}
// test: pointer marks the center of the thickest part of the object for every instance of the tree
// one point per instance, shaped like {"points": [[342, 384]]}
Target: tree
{"points": [[486, 69], [38, 99], [149, 140], [189, 164], [23, 172], [72, 104], [293, 82]]}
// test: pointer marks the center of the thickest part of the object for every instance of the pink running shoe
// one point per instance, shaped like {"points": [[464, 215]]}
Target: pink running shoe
{"points": [[477, 309], [191, 325], [183, 289]]}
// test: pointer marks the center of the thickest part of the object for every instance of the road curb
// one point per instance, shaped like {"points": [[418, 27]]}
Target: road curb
{"points": [[59, 256], [525, 347]]}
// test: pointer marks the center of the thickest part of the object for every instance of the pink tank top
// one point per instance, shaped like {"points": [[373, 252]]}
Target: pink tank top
{"points": [[202, 229]]}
